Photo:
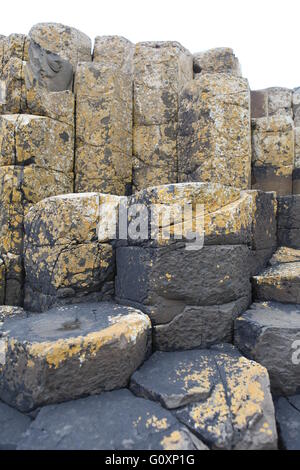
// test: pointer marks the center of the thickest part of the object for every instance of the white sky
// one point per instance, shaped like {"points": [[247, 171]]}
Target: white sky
{"points": [[265, 34]]}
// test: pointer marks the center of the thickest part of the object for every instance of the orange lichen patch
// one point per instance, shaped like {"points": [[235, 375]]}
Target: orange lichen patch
{"points": [[173, 441], [57, 352], [156, 423]]}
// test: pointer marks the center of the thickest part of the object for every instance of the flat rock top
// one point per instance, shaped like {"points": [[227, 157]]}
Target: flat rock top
{"points": [[283, 271], [12, 425], [69, 321], [111, 421], [273, 315], [285, 254]]}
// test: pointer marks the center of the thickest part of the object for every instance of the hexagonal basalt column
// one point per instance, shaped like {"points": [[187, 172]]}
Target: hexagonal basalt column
{"points": [[71, 352]]}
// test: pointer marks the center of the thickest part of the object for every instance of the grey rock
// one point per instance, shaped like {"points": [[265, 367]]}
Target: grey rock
{"points": [[289, 221], [288, 421], [269, 333], [70, 352], [159, 277], [218, 60], [280, 283], [199, 327], [47, 69], [13, 425], [222, 397], [112, 421]]}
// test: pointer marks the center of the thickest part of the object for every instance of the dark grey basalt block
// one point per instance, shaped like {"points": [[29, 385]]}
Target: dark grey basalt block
{"points": [[13, 425], [113, 421], [288, 422]]}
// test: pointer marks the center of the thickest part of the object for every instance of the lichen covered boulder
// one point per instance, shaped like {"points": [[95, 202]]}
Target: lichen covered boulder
{"points": [[70, 352], [221, 396]]}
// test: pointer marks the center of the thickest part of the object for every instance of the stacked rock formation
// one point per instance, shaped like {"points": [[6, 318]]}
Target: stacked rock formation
{"points": [[182, 335]]}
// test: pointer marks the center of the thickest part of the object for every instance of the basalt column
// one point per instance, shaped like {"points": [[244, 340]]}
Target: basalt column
{"points": [[160, 71], [214, 142]]}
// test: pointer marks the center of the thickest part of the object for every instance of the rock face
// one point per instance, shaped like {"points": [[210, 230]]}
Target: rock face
{"points": [[273, 154], [72, 45], [271, 101], [142, 425], [12, 427], [70, 352], [218, 60], [216, 393], [269, 333], [181, 289], [103, 129], [114, 50], [214, 123], [65, 262], [288, 421], [160, 71], [289, 221], [48, 70]]}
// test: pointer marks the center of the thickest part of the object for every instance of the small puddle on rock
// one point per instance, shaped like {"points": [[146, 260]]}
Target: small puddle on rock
{"points": [[70, 325]]}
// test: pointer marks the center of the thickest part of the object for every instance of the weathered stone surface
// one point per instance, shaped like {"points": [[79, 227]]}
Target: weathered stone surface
{"points": [[214, 131], [10, 311], [71, 44], [165, 280], [12, 86], [199, 327], [154, 155], [279, 101], [47, 69], [218, 60], [26, 139], [273, 154], [288, 422], [289, 221], [12, 427], [296, 106], [221, 396], [70, 352], [103, 129], [285, 255], [296, 172], [160, 71], [54, 105], [114, 50], [12, 279], [21, 187], [142, 425], [280, 283], [64, 262], [269, 333]]}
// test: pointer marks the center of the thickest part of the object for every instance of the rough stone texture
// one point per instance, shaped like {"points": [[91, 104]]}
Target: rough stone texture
{"points": [[218, 60], [65, 262], [103, 129], [267, 333], [285, 255], [288, 422], [271, 101], [259, 103], [70, 352], [183, 290], [280, 283], [12, 279], [296, 172], [27, 140], [142, 425], [296, 106], [12, 427], [114, 50], [214, 131], [71, 44], [160, 70], [10, 311], [21, 187], [273, 154], [289, 221], [221, 396], [47, 69]]}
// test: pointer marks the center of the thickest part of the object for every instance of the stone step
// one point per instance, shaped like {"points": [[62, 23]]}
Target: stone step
{"points": [[112, 421], [222, 397], [70, 352], [269, 333], [288, 421], [280, 282]]}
